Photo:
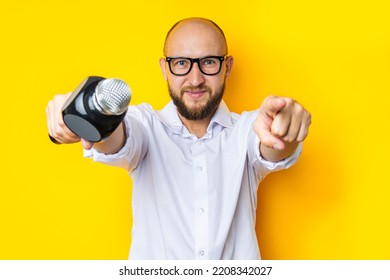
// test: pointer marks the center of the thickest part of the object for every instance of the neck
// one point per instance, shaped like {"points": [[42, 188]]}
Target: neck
{"points": [[197, 127]]}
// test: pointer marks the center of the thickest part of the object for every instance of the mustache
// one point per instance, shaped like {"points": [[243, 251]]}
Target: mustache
{"points": [[192, 88]]}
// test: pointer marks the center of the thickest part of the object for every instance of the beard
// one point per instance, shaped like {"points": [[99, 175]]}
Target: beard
{"points": [[198, 112]]}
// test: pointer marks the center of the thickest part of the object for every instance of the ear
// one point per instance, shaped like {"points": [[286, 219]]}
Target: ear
{"points": [[229, 65], [163, 67]]}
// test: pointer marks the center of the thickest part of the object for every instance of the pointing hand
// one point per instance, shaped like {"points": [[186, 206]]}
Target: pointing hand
{"points": [[281, 121]]}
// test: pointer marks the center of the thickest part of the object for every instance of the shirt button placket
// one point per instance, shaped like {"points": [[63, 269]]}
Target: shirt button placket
{"points": [[201, 202]]}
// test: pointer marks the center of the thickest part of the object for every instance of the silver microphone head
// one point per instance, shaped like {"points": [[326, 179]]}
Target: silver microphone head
{"points": [[112, 96]]}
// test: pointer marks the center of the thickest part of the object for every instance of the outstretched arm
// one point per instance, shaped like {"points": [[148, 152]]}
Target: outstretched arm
{"points": [[280, 125]]}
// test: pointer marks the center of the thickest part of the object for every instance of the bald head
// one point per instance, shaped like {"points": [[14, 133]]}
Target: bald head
{"points": [[195, 35]]}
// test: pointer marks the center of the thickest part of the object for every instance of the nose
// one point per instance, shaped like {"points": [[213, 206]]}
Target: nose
{"points": [[195, 77]]}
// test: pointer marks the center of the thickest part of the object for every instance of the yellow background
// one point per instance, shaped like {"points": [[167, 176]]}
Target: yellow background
{"points": [[332, 56]]}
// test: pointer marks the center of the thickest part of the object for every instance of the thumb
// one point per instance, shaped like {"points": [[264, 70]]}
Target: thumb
{"points": [[263, 131], [86, 144]]}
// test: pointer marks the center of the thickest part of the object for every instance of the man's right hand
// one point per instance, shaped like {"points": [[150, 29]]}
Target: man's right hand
{"points": [[56, 126]]}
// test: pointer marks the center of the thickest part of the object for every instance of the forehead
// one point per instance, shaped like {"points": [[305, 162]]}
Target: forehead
{"points": [[195, 39]]}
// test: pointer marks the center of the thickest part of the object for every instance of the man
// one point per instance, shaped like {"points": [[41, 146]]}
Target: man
{"points": [[195, 165]]}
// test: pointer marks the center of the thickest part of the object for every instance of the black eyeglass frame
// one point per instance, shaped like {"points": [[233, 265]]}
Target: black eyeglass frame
{"points": [[197, 60]]}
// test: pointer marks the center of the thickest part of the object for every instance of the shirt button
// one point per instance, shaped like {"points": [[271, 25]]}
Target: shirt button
{"points": [[201, 210], [200, 168], [201, 253]]}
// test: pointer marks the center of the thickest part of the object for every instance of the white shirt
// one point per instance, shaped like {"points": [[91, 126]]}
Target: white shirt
{"points": [[192, 198]]}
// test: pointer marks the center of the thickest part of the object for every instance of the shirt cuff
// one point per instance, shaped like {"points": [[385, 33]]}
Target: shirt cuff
{"points": [[107, 158], [283, 164]]}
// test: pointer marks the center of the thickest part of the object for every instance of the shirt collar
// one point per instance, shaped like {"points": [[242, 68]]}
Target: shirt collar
{"points": [[222, 116], [170, 118]]}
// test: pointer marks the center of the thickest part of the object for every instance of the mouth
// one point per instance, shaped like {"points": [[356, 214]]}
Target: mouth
{"points": [[195, 93]]}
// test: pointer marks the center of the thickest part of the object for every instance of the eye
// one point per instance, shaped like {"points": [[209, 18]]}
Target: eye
{"points": [[182, 63], [209, 62]]}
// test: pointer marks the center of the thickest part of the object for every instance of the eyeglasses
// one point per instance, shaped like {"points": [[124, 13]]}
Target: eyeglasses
{"points": [[209, 65]]}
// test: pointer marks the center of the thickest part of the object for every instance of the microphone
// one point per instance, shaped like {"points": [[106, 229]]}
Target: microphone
{"points": [[96, 108]]}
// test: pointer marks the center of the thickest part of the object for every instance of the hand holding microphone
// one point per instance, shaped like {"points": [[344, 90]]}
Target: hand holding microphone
{"points": [[92, 112]]}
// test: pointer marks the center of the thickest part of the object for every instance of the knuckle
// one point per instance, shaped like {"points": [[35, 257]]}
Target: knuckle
{"points": [[62, 125], [299, 109], [266, 101], [57, 132], [290, 138], [289, 101], [280, 133], [57, 97], [49, 106], [302, 137], [60, 98], [309, 117]]}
